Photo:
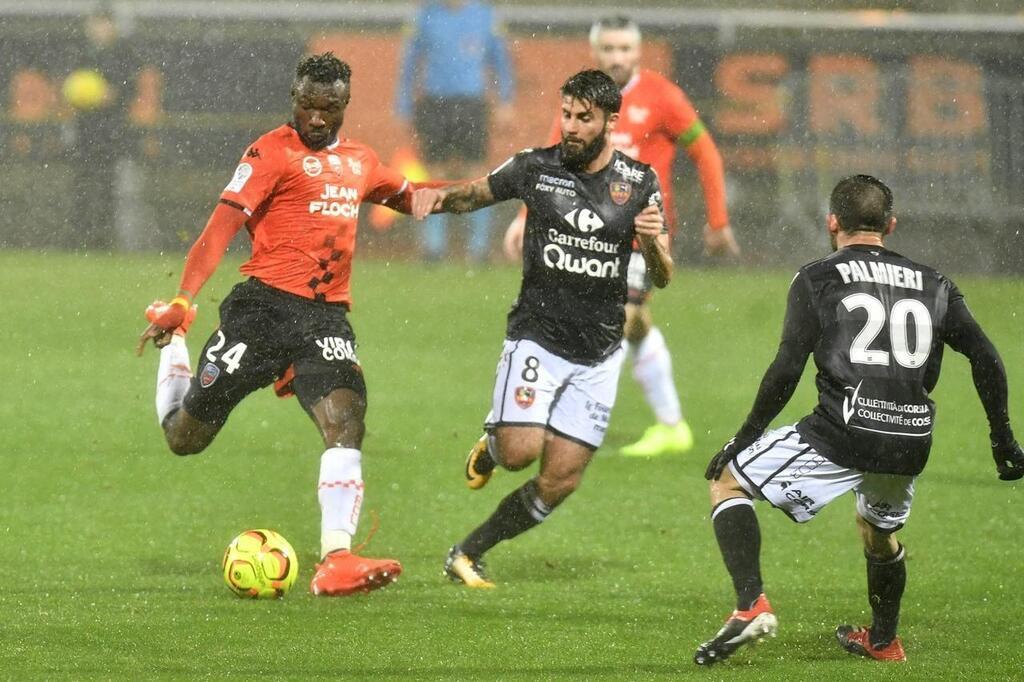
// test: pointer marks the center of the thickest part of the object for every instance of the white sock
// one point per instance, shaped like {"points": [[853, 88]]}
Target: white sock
{"points": [[652, 367], [172, 377], [341, 497]]}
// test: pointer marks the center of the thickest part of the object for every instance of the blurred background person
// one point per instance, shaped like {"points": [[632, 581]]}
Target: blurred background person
{"points": [[455, 50], [99, 91]]}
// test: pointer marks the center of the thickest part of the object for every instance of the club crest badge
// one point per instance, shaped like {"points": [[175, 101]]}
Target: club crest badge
{"points": [[209, 375], [312, 166], [525, 396], [620, 191]]}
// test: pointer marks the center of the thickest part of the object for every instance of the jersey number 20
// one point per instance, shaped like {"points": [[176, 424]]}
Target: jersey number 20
{"points": [[904, 311]]}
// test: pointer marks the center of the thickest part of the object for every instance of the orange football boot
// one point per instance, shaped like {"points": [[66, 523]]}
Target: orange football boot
{"points": [[857, 640], [343, 573]]}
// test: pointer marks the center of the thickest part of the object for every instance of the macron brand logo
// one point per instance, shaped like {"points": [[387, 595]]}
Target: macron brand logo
{"points": [[850, 402], [584, 220]]}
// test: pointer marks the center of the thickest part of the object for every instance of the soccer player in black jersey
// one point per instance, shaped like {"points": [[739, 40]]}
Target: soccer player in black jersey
{"points": [[876, 323], [558, 373]]}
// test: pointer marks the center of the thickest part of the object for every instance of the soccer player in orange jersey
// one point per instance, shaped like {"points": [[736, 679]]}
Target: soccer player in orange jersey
{"points": [[656, 120], [297, 191]]}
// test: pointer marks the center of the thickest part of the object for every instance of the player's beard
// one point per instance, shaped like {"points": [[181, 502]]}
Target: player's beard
{"points": [[577, 158], [317, 142]]}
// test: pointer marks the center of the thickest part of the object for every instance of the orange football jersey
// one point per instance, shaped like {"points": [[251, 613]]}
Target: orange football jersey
{"points": [[304, 209]]}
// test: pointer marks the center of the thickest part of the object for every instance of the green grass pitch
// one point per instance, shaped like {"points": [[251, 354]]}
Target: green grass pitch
{"points": [[111, 545]]}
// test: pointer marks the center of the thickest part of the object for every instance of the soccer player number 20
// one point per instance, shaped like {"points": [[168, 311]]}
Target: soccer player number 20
{"points": [[231, 358], [903, 310]]}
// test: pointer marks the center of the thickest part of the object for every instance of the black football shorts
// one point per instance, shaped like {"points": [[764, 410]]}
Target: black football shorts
{"points": [[452, 128], [262, 332]]}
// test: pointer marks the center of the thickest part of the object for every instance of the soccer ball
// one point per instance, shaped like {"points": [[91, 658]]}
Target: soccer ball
{"points": [[260, 564], [85, 89]]}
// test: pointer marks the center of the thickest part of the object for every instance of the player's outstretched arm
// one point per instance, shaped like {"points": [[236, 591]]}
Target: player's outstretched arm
{"points": [[460, 198], [402, 200], [776, 389], [702, 150], [964, 335], [649, 225], [203, 259], [799, 334]]}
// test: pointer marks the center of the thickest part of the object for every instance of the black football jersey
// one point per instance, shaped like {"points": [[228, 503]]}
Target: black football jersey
{"points": [[576, 246], [877, 322]]}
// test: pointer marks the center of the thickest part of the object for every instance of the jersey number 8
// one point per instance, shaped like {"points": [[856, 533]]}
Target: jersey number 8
{"points": [[903, 311]]}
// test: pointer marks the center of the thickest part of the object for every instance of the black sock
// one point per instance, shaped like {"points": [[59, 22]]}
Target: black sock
{"points": [[739, 539], [886, 580], [520, 511]]}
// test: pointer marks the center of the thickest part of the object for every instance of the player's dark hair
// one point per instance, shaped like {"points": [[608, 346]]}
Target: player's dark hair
{"points": [[323, 68], [861, 203], [595, 88]]}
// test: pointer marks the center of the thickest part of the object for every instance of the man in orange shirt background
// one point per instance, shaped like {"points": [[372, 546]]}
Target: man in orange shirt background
{"points": [[297, 190], [656, 119]]}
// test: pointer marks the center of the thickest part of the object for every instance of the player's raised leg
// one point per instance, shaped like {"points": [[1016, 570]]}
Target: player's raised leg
{"points": [[527, 381], [185, 435], [514, 448], [739, 540], [339, 416], [652, 369]]}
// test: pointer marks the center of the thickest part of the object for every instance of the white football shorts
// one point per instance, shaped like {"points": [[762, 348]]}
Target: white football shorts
{"points": [[781, 468], [534, 387]]}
